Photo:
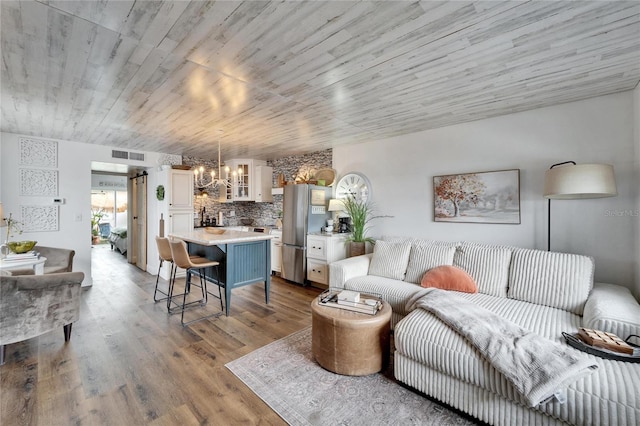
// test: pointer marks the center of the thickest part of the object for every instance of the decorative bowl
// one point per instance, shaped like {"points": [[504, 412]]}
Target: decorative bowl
{"points": [[21, 246], [216, 231], [246, 222]]}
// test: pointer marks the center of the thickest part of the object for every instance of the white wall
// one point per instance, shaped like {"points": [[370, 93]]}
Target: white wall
{"points": [[636, 137], [401, 171], [74, 166]]}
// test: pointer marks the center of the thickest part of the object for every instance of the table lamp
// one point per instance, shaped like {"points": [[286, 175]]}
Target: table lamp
{"points": [[336, 205]]}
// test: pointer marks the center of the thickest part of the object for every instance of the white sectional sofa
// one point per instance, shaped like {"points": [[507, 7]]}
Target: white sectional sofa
{"points": [[544, 292]]}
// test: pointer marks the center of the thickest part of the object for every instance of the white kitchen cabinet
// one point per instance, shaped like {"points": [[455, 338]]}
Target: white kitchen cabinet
{"points": [[177, 206], [318, 272], [322, 249], [249, 178], [243, 180], [179, 221], [262, 184], [276, 251], [180, 190]]}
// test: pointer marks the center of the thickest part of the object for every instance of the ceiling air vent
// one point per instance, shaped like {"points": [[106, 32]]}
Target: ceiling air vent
{"points": [[139, 156], [136, 156], [119, 154]]}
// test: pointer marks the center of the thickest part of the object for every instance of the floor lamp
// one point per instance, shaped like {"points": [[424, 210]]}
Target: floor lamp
{"points": [[570, 181]]}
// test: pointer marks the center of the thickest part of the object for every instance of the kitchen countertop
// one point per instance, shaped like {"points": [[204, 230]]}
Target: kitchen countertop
{"points": [[200, 236]]}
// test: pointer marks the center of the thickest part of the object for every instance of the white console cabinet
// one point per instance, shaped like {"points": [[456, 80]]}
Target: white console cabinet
{"points": [[322, 249]]}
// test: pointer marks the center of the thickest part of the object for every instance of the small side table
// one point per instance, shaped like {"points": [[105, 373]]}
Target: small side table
{"points": [[36, 263], [350, 343]]}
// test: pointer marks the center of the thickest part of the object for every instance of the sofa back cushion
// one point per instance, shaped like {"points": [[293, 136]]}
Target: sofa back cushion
{"points": [[390, 259], [558, 280], [487, 265], [427, 255]]}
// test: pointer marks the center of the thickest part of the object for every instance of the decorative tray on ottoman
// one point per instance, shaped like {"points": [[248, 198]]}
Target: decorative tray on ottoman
{"points": [[350, 300]]}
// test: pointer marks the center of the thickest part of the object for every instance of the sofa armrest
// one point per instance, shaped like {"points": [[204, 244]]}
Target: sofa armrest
{"points": [[16, 272], [49, 281], [612, 308], [345, 269], [58, 259]]}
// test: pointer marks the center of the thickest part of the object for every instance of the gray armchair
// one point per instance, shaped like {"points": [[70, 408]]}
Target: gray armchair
{"points": [[58, 259], [31, 305]]}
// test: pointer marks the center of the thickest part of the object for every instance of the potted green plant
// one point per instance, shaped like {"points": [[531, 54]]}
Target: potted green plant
{"points": [[361, 213], [96, 217]]}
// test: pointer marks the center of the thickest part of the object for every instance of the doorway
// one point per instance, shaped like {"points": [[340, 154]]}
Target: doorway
{"points": [[109, 213], [109, 210], [119, 198]]}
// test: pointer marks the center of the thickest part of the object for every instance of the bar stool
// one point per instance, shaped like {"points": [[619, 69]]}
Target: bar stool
{"points": [[181, 259], [164, 252]]}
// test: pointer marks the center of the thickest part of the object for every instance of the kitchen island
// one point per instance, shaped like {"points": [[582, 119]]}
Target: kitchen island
{"points": [[245, 258]]}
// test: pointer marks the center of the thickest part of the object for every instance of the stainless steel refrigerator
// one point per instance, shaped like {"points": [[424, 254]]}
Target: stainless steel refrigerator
{"points": [[304, 211]]}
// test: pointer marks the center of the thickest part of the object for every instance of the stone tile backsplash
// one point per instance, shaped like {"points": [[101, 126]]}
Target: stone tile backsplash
{"points": [[263, 214]]}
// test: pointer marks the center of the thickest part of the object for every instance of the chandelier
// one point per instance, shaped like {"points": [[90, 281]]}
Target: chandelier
{"points": [[199, 174]]}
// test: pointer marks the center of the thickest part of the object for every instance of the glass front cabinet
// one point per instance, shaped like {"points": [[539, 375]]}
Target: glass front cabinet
{"points": [[242, 174], [244, 179]]}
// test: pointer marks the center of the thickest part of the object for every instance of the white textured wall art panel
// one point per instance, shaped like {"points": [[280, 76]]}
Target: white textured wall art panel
{"points": [[39, 218], [38, 153], [38, 182]]}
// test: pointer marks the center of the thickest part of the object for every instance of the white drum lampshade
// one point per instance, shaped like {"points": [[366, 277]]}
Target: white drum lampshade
{"points": [[571, 181], [576, 181], [336, 205]]}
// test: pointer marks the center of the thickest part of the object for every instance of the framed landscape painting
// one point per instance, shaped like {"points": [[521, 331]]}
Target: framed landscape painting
{"points": [[483, 197]]}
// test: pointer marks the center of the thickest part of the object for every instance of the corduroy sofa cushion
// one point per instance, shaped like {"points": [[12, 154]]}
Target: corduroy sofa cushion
{"points": [[488, 265], [559, 280], [390, 259], [427, 256]]}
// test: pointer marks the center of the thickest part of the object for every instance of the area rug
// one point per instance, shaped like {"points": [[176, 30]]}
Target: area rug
{"points": [[286, 377]]}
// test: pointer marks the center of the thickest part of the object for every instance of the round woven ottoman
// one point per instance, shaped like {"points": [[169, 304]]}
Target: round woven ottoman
{"points": [[348, 342]]}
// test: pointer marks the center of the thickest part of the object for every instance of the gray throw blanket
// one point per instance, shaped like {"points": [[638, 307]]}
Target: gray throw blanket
{"points": [[538, 368]]}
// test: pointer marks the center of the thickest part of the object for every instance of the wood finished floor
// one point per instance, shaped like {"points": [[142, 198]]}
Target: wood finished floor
{"points": [[129, 363]]}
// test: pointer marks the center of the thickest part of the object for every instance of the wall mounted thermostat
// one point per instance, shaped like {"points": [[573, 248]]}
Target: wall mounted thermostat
{"points": [[58, 201]]}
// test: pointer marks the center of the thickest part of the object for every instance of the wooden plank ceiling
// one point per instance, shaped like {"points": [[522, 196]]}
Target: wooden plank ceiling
{"points": [[294, 77]]}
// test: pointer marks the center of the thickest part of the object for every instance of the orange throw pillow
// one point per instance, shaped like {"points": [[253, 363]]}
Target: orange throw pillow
{"points": [[448, 277]]}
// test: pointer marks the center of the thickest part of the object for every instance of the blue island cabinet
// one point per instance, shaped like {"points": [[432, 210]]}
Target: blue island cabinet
{"points": [[241, 263]]}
